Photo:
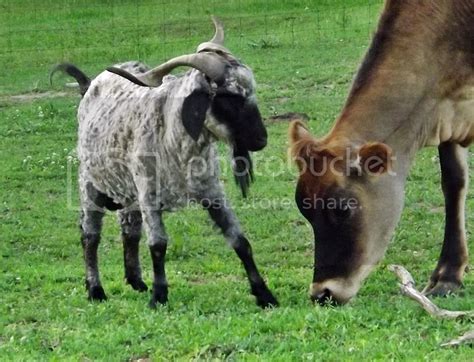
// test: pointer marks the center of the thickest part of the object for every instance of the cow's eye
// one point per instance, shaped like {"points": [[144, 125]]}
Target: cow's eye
{"points": [[343, 212]]}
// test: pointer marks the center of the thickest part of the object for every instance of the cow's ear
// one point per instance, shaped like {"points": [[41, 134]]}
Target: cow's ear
{"points": [[375, 158], [298, 132], [305, 150], [194, 112], [301, 143]]}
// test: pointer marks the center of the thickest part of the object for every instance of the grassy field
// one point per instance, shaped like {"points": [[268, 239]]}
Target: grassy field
{"points": [[304, 54]]}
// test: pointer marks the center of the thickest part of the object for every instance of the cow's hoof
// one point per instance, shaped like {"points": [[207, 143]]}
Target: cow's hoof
{"points": [[159, 295], [441, 288], [97, 293], [264, 296], [137, 284]]}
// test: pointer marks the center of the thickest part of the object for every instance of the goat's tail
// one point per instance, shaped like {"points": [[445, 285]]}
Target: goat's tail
{"points": [[70, 69]]}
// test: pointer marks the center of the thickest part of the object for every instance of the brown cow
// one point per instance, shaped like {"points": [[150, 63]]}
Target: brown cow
{"points": [[415, 88]]}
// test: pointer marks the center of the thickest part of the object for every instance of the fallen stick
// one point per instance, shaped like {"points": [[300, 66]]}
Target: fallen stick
{"points": [[407, 286], [465, 338]]}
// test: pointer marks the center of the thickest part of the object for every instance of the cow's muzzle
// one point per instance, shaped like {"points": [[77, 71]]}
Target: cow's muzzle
{"points": [[324, 295]]}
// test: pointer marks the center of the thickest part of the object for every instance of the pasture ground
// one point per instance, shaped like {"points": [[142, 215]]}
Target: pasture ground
{"points": [[304, 57]]}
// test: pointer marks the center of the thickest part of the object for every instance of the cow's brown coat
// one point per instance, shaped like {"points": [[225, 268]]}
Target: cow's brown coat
{"points": [[415, 88]]}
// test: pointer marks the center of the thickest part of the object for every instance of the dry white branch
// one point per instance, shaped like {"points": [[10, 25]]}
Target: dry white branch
{"points": [[407, 287], [465, 338]]}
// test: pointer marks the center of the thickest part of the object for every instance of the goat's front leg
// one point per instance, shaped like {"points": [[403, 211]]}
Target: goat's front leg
{"points": [[131, 226], [157, 242], [449, 273], [225, 219]]}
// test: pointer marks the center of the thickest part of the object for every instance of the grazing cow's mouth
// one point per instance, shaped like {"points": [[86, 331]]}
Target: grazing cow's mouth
{"points": [[327, 297]]}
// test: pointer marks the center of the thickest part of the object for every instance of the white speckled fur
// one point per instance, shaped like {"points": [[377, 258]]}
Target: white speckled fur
{"points": [[133, 146], [135, 151]]}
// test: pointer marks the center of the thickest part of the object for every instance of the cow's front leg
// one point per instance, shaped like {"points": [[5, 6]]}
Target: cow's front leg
{"points": [[449, 273], [157, 242], [225, 219]]}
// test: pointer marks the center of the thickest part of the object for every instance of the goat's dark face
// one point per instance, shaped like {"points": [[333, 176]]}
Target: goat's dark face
{"points": [[235, 117], [235, 107]]}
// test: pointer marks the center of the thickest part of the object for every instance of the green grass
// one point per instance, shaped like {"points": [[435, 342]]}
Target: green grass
{"points": [[304, 60]]}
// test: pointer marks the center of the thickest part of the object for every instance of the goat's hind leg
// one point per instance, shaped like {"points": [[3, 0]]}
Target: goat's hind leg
{"points": [[131, 226], [225, 219], [91, 225], [449, 273], [93, 204]]}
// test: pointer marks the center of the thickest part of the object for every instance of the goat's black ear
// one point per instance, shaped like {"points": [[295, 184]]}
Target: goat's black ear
{"points": [[194, 111]]}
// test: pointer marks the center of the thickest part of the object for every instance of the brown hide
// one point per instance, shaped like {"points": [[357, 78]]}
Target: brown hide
{"points": [[415, 88]]}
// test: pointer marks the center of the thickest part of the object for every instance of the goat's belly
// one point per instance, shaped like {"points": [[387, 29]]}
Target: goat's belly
{"points": [[111, 177], [172, 201]]}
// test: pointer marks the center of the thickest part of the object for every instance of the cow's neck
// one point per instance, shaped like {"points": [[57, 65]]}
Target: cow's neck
{"points": [[397, 93]]}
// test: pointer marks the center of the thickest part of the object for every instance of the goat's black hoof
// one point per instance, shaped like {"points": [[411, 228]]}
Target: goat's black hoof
{"points": [[159, 295], [137, 284], [97, 293], [264, 296]]}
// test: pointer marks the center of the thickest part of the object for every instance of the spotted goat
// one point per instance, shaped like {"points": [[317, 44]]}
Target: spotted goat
{"points": [[147, 145]]}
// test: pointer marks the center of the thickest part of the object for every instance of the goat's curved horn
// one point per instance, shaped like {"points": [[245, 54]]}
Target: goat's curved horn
{"points": [[216, 44], [219, 35], [211, 64]]}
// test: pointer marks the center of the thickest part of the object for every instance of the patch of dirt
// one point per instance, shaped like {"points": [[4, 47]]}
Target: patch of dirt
{"points": [[33, 96], [197, 281], [290, 116]]}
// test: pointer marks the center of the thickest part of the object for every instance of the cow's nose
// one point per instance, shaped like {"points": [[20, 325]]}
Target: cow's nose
{"points": [[324, 297], [329, 293]]}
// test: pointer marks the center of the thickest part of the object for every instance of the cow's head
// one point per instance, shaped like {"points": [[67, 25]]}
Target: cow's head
{"points": [[353, 200]]}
